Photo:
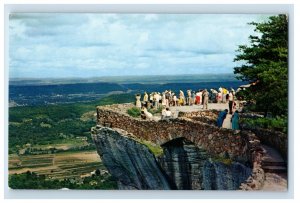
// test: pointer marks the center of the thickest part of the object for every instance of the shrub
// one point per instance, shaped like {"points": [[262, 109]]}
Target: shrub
{"points": [[155, 111], [278, 123], [134, 112]]}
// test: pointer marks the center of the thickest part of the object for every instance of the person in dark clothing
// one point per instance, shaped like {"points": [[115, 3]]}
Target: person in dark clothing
{"points": [[221, 117], [235, 121]]}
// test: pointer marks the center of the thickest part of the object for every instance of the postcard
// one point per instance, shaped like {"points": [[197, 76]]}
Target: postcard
{"points": [[114, 101]]}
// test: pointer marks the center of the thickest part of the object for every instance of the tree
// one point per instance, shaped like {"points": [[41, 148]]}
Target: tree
{"points": [[264, 64]]}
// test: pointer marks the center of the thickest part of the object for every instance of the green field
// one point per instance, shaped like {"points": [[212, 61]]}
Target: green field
{"points": [[54, 143]]}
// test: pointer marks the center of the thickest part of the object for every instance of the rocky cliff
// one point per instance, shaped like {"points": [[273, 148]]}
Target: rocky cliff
{"points": [[183, 163], [182, 166], [220, 176], [196, 154], [131, 163]]}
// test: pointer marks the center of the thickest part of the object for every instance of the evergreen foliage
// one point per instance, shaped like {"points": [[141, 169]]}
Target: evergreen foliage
{"points": [[264, 64]]}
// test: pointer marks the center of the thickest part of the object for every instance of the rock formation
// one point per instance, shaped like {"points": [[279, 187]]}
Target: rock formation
{"points": [[130, 162], [220, 176], [183, 163], [195, 154]]}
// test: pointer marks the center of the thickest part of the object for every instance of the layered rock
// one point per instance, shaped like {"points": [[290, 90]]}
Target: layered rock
{"points": [[183, 163], [131, 163], [220, 176]]}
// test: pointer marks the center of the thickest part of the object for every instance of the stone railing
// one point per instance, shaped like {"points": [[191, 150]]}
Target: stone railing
{"points": [[214, 140], [256, 153]]}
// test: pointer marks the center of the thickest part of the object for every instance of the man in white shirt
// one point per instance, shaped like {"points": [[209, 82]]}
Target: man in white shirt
{"points": [[166, 114]]}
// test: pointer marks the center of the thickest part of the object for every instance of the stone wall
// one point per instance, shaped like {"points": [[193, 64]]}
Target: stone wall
{"points": [[206, 116], [243, 146], [215, 140], [256, 153], [273, 138]]}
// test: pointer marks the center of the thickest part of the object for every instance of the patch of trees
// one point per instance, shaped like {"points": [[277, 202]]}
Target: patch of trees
{"points": [[63, 121], [264, 64], [31, 180]]}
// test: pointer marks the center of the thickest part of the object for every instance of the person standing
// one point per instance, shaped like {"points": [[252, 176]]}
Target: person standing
{"points": [[175, 100], [222, 115], [224, 94], [181, 97], [205, 99], [219, 97], [230, 99], [151, 99], [145, 99], [156, 100], [163, 99], [189, 97], [168, 96], [199, 97], [193, 97], [235, 121]]}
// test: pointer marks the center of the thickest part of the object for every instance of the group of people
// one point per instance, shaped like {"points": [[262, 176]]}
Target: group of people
{"points": [[169, 98], [222, 96], [201, 97], [228, 96], [165, 113]]}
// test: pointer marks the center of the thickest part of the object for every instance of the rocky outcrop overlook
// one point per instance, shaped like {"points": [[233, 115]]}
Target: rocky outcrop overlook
{"points": [[195, 155]]}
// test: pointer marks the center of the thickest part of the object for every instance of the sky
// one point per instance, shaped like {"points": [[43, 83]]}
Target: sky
{"points": [[59, 45]]}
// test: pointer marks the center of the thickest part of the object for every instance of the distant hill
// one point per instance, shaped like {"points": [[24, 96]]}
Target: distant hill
{"points": [[147, 79], [61, 89]]}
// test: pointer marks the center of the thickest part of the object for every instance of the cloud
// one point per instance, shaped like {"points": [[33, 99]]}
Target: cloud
{"points": [[85, 45]]}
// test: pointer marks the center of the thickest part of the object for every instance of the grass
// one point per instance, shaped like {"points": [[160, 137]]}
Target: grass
{"points": [[154, 148], [226, 161]]}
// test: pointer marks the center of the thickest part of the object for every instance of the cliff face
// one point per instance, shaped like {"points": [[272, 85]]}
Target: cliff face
{"points": [[182, 166], [131, 163], [220, 176], [183, 163]]}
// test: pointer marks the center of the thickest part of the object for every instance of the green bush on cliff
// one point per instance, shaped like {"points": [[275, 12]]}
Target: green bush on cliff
{"points": [[134, 112], [155, 111], [278, 123], [155, 149], [224, 160]]}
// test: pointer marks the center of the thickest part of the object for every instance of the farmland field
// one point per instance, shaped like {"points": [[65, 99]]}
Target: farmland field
{"points": [[57, 166]]}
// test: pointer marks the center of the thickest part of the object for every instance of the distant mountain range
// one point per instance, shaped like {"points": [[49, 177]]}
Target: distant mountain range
{"points": [[150, 79]]}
